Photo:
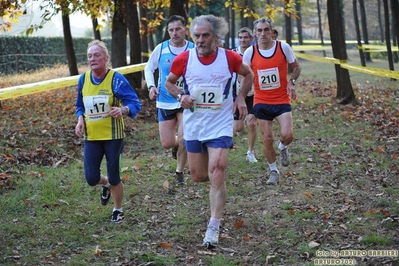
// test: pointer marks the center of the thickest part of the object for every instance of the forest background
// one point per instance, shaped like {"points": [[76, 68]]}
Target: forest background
{"points": [[135, 22]]}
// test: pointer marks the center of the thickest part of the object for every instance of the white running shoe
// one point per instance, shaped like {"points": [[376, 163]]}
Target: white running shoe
{"points": [[284, 157], [211, 238], [273, 179], [251, 157]]}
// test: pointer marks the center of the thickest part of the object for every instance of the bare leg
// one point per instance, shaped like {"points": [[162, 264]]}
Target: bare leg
{"points": [[167, 133], [198, 163], [217, 177], [103, 180], [217, 163], [117, 193], [239, 125], [286, 131], [181, 152], [266, 128], [252, 131]]}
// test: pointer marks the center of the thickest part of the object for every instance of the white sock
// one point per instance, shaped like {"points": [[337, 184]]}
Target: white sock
{"points": [[281, 146], [273, 167], [214, 222], [252, 152], [115, 209]]}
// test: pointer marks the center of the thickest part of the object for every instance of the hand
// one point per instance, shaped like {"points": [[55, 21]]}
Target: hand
{"points": [[116, 112], [187, 101], [291, 91], [80, 127], [153, 94], [242, 107]]}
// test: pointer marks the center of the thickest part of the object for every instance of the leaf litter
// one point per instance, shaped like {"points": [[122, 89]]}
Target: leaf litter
{"points": [[332, 208]]}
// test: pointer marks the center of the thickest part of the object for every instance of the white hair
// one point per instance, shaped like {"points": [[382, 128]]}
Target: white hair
{"points": [[219, 25]]}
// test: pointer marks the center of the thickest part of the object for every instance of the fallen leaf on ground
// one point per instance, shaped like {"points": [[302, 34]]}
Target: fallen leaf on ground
{"points": [[166, 245], [238, 224], [313, 244], [307, 194]]}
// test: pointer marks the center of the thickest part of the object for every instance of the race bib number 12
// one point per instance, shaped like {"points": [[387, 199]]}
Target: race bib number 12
{"points": [[208, 97]]}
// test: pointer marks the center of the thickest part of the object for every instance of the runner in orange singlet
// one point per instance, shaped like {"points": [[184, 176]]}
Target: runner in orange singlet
{"points": [[269, 61]]}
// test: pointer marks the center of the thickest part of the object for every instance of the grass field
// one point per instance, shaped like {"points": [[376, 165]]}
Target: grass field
{"points": [[340, 195]]}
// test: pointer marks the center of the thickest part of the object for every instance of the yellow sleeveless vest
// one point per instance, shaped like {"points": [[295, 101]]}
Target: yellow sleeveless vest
{"points": [[98, 100]]}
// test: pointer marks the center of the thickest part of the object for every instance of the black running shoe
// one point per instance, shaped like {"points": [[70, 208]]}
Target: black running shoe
{"points": [[174, 152], [179, 178], [117, 217], [105, 195]]}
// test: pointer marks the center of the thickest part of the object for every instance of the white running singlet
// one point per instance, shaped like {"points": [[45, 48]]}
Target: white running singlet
{"points": [[212, 114]]}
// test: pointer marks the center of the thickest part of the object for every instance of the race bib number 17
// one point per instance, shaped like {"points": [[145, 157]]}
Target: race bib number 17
{"points": [[97, 107]]}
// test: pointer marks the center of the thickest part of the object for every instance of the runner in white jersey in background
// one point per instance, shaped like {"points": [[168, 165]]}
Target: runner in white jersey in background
{"points": [[169, 111]]}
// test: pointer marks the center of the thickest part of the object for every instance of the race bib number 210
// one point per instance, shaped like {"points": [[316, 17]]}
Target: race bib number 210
{"points": [[269, 79]]}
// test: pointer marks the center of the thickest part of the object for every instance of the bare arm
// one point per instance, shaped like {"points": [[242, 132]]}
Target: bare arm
{"points": [[245, 86], [80, 127], [186, 101], [296, 71]]}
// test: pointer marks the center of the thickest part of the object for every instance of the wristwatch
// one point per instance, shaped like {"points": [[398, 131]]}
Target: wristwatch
{"points": [[123, 110], [292, 81], [149, 88]]}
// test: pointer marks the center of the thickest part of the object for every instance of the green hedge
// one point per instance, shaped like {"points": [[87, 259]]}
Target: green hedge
{"points": [[21, 53]]}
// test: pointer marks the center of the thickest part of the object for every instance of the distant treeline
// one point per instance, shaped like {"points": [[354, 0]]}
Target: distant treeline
{"points": [[21, 53]]}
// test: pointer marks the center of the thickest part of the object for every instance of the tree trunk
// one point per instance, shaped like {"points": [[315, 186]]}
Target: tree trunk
{"points": [[380, 21], [119, 31], [250, 20], [96, 32], [299, 21], [70, 52], [387, 34], [242, 19], [144, 35], [320, 26], [364, 27], [288, 36], [359, 39], [151, 43], [394, 27], [395, 12], [245, 19], [288, 29], [177, 7], [132, 18], [229, 34], [233, 28], [337, 34]]}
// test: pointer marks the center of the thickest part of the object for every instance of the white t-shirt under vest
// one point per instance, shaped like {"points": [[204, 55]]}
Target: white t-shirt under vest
{"points": [[212, 113]]}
